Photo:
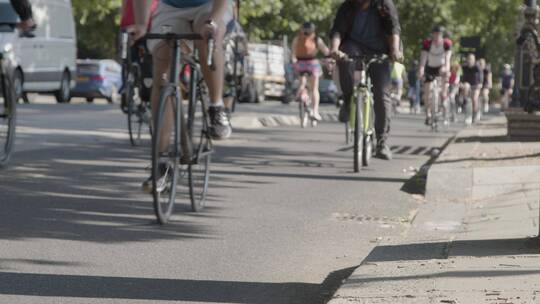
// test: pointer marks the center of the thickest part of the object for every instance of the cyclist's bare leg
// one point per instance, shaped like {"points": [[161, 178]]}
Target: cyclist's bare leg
{"points": [[214, 78], [427, 98], [162, 63], [475, 100], [301, 87], [315, 95]]}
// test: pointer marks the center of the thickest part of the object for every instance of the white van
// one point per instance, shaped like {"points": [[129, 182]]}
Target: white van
{"points": [[45, 63]]}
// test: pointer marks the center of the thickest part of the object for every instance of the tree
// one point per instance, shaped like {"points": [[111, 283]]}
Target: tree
{"points": [[97, 27]]}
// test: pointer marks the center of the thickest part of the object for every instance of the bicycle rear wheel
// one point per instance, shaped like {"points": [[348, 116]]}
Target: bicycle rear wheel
{"points": [[358, 133], [201, 147], [166, 154], [7, 119]]}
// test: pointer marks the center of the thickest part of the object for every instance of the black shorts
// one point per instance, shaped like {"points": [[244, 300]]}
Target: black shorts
{"points": [[431, 73]]}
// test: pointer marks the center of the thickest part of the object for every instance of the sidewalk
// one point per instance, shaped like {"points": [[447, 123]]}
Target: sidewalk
{"points": [[474, 240]]}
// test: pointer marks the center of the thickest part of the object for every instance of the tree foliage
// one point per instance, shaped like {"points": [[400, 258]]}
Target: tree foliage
{"points": [[493, 21], [97, 27]]}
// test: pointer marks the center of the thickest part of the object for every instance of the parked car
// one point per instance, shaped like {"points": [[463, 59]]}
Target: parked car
{"points": [[328, 91], [45, 63], [98, 79]]}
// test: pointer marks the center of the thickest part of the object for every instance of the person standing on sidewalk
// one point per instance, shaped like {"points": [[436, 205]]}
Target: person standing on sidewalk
{"points": [[368, 27]]}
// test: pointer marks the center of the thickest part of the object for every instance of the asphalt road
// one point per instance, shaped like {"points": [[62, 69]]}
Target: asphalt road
{"points": [[286, 218]]}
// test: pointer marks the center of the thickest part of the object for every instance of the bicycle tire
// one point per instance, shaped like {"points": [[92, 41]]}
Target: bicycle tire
{"points": [[369, 142], [201, 146], [358, 134], [435, 106], [138, 123], [164, 199], [8, 116]]}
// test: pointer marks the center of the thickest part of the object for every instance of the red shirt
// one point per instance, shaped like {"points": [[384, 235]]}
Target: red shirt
{"points": [[128, 16]]}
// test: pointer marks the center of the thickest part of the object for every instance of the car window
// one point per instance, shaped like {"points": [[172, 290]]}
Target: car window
{"points": [[7, 14], [88, 68]]}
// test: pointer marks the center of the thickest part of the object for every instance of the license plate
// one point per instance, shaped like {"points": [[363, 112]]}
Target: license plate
{"points": [[81, 78]]}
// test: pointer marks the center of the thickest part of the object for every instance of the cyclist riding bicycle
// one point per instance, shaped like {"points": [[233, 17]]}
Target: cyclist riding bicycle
{"points": [[368, 27], [435, 62], [507, 82], [205, 17], [139, 53], [487, 83], [471, 84], [23, 8], [305, 47]]}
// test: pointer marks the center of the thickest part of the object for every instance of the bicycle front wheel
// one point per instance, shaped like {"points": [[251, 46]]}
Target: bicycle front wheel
{"points": [[303, 113], [138, 113], [7, 119], [201, 147], [166, 154], [358, 133]]}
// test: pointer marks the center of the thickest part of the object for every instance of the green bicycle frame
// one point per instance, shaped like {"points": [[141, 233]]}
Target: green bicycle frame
{"points": [[364, 90]]}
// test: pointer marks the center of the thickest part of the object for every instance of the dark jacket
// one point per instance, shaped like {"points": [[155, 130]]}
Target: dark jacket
{"points": [[347, 13]]}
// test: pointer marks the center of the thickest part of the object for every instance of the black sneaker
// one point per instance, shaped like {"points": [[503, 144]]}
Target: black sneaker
{"points": [[162, 182], [383, 151], [344, 113], [220, 124]]}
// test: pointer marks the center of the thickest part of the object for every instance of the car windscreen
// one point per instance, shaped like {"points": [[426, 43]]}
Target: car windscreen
{"points": [[89, 69]]}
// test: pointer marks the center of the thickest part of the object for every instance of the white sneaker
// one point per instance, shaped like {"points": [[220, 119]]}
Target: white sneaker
{"points": [[468, 121], [317, 116], [486, 108]]}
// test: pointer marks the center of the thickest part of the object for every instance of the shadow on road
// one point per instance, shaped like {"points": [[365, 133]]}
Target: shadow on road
{"points": [[100, 287]]}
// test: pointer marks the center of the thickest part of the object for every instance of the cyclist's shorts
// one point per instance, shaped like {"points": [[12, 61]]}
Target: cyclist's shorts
{"points": [[431, 73], [311, 66], [182, 20]]}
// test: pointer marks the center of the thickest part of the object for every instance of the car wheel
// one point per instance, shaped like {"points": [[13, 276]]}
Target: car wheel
{"points": [[18, 84], [64, 94], [89, 99]]}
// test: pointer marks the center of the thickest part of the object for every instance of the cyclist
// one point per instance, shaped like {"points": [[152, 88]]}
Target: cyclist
{"points": [[507, 86], [305, 46], [435, 62], [127, 24], [487, 83], [453, 90], [369, 27], [206, 17], [397, 76], [23, 8], [414, 87], [471, 85]]}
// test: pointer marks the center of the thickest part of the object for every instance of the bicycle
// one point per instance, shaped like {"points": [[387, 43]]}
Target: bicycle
{"points": [[138, 111], [8, 112], [435, 89], [361, 125], [189, 144], [304, 102]]}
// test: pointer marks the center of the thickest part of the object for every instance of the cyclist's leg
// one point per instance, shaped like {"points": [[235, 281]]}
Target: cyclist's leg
{"points": [[315, 95], [427, 97], [382, 84], [213, 78], [346, 79], [162, 54], [475, 91]]}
